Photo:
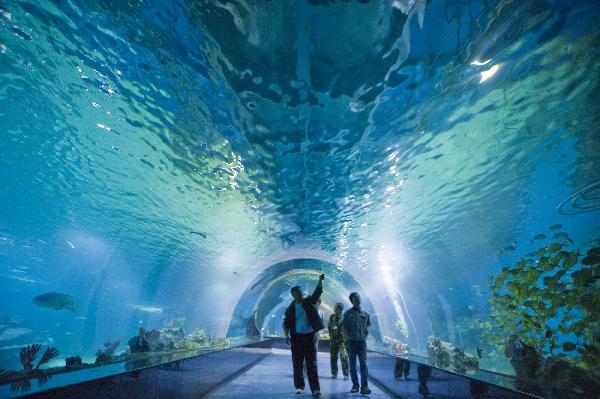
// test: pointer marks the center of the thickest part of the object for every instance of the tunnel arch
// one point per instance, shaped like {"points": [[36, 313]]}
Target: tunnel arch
{"points": [[268, 294]]}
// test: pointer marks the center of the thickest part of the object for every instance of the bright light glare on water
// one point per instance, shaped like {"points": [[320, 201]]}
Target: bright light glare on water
{"points": [[485, 75]]}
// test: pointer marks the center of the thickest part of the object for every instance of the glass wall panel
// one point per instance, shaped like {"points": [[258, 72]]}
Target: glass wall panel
{"points": [[170, 169]]}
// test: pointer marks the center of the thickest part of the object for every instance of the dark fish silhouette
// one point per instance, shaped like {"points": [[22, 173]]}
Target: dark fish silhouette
{"points": [[56, 301], [560, 236], [479, 352], [198, 233]]}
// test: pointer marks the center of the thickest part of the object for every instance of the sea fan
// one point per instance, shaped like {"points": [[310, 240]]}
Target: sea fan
{"points": [[48, 355], [28, 355], [111, 346]]}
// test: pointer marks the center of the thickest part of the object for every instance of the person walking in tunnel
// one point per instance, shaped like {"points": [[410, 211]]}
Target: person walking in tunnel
{"points": [[302, 323], [355, 329], [336, 340]]}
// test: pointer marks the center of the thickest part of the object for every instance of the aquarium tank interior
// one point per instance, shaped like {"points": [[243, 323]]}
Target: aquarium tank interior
{"points": [[173, 168]]}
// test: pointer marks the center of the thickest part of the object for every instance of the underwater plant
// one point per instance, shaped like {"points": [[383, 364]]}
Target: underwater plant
{"points": [[28, 354], [446, 355], [171, 336], [102, 357], [197, 336], [402, 328], [106, 354], [153, 337], [110, 346], [550, 299], [73, 362], [49, 354]]}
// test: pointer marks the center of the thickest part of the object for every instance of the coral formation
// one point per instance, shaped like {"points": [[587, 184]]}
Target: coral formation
{"points": [[73, 362], [153, 337], [49, 354], [28, 354], [106, 354], [164, 343], [169, 336], [447, 356], [102, 357]]}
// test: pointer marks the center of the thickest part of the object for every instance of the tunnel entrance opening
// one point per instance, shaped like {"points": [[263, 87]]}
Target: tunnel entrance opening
{"points": [[259, 312]]}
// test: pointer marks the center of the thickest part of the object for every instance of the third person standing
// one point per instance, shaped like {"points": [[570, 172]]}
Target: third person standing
{"points": [[336, 337], [355, 324]]}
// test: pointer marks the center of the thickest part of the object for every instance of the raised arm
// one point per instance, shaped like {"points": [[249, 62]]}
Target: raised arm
{"points": [[318, 291]]}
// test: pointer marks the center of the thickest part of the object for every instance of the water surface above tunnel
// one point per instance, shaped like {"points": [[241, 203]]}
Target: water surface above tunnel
{"points": [[157, 156]]}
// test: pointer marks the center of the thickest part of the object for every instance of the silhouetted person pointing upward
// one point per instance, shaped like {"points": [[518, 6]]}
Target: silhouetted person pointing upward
{"points": [[302, 322]]}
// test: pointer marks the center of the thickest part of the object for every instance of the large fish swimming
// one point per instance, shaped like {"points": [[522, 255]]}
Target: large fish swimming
{"points": [[12, 333], [56, 301]]}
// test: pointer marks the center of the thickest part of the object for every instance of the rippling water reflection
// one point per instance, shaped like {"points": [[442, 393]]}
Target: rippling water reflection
{"points": [[406, 141]]}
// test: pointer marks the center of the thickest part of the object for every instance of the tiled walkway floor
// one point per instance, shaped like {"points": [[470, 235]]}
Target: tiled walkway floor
{"points": [[272, 379]]}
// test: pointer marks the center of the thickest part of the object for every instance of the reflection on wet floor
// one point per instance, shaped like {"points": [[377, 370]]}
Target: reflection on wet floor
{"points": [[272, 378]]}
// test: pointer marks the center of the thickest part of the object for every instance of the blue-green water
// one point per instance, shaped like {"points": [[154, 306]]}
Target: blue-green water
{"points": [[163, 159]]}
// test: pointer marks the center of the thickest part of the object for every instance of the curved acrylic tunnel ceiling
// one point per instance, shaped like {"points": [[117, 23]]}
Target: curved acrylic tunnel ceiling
{"points": [[158, 159], [269, 293]]}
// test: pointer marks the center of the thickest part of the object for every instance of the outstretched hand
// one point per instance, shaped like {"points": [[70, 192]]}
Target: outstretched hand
{"points": [[322, 277]]}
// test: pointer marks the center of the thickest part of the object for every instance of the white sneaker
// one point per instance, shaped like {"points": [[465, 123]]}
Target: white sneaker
{"points": [[298, 391]]}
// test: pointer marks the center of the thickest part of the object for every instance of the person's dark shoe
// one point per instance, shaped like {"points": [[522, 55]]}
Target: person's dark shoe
{"points": [[316, 394], [365, 391], [333, 377], [354, 389]]}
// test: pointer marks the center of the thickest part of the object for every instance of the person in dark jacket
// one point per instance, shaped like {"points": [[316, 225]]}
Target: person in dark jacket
{"points": [[301, 323]]}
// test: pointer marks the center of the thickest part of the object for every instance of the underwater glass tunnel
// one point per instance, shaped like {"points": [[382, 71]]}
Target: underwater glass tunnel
{"points": [[177, 166]]}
